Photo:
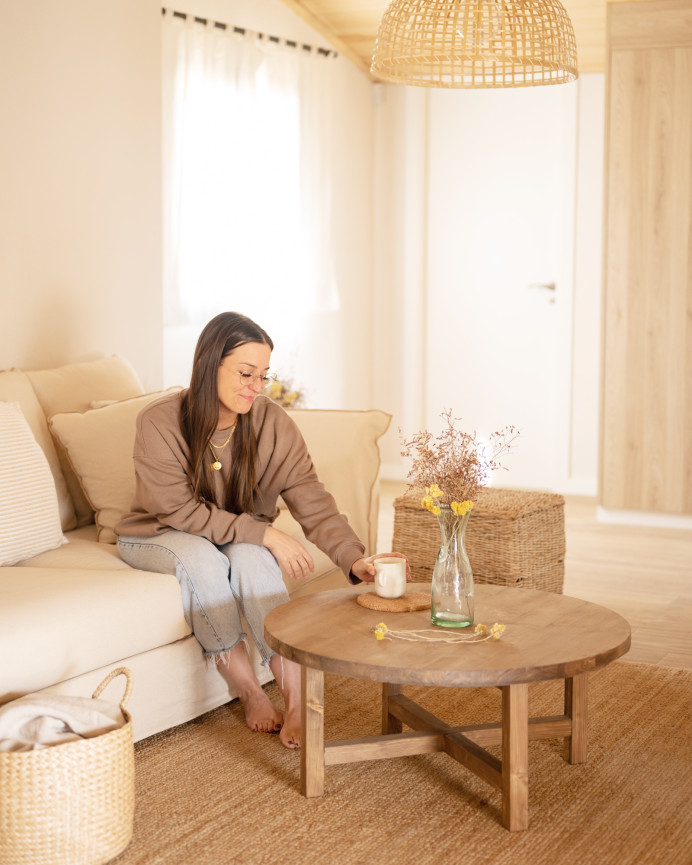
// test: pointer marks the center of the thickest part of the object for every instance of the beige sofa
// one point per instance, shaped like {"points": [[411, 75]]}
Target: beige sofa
{"points": [[70, 609]]}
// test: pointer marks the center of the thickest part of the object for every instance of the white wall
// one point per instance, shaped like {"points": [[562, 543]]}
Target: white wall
{"points": [[80, 170], [400, 297], [80, 174], [427, 269], [80, 223]]}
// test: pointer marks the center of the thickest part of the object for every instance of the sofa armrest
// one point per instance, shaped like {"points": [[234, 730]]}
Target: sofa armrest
{"points": [[345, 451]]}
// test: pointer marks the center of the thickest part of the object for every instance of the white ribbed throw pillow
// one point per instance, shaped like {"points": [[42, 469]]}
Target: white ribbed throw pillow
{"points": [[29, 514]]}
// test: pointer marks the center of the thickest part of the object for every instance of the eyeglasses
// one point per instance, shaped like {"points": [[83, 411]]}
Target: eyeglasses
{"points": [[250, 378]]}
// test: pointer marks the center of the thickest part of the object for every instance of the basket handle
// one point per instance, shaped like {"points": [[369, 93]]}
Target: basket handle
{"points": [[109, 678]]}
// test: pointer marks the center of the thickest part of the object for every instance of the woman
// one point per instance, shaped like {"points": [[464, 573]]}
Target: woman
{"points": [[210, 463]]}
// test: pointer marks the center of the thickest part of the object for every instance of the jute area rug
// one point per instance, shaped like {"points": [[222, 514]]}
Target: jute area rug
{"points": [[212, 792]]}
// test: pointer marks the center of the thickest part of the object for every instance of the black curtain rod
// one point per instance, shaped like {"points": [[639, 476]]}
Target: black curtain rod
{"points": [[219, 25]]}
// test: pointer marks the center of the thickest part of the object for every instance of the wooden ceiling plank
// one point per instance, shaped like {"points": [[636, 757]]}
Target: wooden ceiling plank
{"points": [[351, 27], [325, 28]]}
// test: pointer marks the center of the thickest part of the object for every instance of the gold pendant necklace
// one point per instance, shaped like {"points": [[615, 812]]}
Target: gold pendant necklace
{"points": [[217, 465]]}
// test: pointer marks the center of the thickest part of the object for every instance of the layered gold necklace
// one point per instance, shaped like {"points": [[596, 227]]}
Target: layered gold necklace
{"points": [[217, 465]]}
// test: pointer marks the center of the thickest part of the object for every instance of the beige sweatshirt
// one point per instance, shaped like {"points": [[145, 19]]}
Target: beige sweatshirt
{"points": [[164, 497]]}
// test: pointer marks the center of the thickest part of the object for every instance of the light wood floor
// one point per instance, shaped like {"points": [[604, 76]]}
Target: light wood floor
{"points": [[645, 574]]}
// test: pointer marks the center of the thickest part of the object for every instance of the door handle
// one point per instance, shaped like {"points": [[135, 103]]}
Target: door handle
{"points": [[546, 286]]}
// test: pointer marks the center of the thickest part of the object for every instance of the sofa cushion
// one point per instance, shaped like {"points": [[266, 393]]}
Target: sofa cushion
{"points": [[58, 624], [81, 551], [343, 446], [73, 387], [99, 445], [15, 386], [29, 513]]}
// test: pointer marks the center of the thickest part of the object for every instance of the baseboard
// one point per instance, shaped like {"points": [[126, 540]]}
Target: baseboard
{"points": [[643, 518]]}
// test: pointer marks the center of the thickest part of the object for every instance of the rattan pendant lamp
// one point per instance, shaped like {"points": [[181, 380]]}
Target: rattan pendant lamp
{"points": [[475, 43]]}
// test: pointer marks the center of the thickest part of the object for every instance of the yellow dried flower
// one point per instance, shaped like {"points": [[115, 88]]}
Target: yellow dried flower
{"points": [[434, 490], [427, 502], [383, 627], [436, 510], [434, 635], [283, 393], [497, 631]]}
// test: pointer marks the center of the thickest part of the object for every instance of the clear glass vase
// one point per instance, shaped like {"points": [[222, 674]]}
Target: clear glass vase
{"points": [[452, 582]]}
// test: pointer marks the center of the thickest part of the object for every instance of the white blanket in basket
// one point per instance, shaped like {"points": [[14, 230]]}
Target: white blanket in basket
{"points": [[41, 720]]}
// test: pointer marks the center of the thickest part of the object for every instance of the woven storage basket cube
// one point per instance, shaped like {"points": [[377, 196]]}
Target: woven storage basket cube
{"points": [[513, 538], [69, 804]]}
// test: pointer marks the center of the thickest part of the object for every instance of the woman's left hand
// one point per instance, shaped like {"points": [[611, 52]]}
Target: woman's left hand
{"points": [[364, 569]]}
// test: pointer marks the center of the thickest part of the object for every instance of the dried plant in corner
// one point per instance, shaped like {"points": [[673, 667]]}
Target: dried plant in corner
{"points": [[282, 392]]}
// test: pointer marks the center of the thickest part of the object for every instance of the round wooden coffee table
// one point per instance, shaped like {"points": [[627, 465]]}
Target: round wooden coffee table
{"points": [[547, 636]]}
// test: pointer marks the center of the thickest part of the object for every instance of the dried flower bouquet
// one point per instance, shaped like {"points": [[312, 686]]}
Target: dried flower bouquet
{"points": [[452, 467], [283, 393]]}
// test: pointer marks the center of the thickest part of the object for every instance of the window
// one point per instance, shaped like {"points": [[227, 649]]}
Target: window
{"points": [[246, 178]]}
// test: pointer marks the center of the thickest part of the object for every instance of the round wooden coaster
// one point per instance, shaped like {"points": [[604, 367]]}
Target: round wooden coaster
{"points": [[408, 602]]}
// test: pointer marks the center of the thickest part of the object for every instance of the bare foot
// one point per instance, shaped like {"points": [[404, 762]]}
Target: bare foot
{"points": [[290, 732], [261, 715], [287, 675]]}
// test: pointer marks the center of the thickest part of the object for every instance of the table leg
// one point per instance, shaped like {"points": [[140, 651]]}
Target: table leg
{"points": [[576, 710], [390, 724], [515, 757], [312, 742]]}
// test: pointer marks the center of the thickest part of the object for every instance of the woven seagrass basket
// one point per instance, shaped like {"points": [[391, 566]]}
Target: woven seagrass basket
{"points": [[513, 538], [70, 804]]}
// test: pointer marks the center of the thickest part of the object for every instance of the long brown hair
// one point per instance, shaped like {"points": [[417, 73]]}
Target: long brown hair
{"points": [[200, 412]]}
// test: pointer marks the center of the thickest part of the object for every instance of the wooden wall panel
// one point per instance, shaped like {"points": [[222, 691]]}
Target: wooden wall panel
{"points": [[646, 452]]}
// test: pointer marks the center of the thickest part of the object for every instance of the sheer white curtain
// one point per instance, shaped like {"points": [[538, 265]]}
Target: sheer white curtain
{"points": [[246, 179]]}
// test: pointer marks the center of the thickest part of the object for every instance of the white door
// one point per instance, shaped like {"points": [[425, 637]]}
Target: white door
{"points": [[499, 270]]}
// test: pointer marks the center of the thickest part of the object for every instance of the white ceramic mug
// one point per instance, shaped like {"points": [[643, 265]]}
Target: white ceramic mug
{"points": [[390, 576]]}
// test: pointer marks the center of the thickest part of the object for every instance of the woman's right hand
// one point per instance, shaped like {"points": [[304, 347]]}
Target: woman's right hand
{"points": [[291, 555]]}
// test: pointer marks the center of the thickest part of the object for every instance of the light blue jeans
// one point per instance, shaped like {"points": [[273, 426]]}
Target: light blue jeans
{"points": [[216, 583]]}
